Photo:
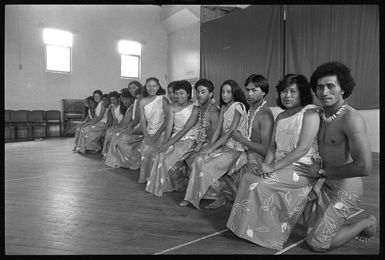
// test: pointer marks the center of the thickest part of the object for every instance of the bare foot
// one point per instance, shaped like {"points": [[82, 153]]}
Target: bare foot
{"points": [[184, 203], [216, 204], [369, 231]]}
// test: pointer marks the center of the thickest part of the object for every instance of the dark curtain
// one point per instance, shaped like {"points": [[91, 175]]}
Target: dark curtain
{"points": [[347, 33], [245, 42]]}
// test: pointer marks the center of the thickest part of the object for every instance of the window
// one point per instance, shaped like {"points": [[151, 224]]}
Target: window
{"points": [[129, 59], [58, 46]]}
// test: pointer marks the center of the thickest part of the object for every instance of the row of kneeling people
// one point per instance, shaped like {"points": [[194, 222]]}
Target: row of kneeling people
{"points": [[303, 167]]}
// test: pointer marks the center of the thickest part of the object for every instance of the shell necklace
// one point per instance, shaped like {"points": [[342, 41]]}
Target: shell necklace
{"points": [[331, 118], [252, 118], [202, 135]]}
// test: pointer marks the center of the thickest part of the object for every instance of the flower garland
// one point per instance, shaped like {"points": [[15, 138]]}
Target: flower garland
{"points": [[202, 134], [252, 119], [331, 118]]}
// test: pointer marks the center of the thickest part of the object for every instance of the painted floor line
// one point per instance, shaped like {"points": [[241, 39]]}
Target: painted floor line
{"points": [[36, 177], [41, 176], [191, 242], [300, 241]]}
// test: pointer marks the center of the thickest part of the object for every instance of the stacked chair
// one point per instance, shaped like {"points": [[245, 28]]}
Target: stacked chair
{"points": [[9, 129], [19, 120], [53, 118], [25, 125], [38, 123]]}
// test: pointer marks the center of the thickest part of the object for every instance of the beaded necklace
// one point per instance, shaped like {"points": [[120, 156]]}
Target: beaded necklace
{"points": [[252, 118], [331, 118], [202, 134]]}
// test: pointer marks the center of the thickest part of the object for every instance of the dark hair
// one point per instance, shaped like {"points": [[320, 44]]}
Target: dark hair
{"points": [[171, 85], [139, 86], [206, 83], [338, 69], [183, 84], [126, 94], [86, 108], [259, 81], [160, 91], [107, 97], [238, 94], [90, 98], [114, 94], [303, 87], [98, 92]]}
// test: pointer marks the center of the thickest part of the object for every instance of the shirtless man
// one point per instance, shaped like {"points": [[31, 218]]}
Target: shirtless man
{"points": [[346, 157], [260, 126]]}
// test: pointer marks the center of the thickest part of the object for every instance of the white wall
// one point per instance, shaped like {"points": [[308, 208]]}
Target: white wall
{"points": [[95, 59], [184, 53]]}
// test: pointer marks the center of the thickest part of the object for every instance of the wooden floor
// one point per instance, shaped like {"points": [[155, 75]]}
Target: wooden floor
{"points": [[60, 202]]}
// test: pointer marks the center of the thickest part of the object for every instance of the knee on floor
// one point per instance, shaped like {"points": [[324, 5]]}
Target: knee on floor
{"points": [[314, 246]]}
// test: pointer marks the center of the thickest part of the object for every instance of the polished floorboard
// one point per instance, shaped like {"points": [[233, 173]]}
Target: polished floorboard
{"points": [[58, 202]]}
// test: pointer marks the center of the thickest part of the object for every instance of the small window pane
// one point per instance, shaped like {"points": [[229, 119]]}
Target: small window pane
{"points": [[58, 58], [129, 66]]}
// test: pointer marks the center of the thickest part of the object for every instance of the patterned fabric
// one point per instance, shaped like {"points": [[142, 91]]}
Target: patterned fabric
{"points": [[107, 139], [148, 157], [118, 115], [98, 110], [124, 150], [165, 174], [204, 182], [154, 115], [325, 215], [242, 125], [206, 171], [265, 210], [253, 159], [89, 138]]}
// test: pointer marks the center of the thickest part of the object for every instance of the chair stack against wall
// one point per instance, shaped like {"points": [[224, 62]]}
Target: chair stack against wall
{"points": [[26, 125]]}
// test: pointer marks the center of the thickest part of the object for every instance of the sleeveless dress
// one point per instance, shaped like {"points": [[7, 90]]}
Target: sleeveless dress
{"points": [[164, 176], [265, 210], [154, 115], [89, 138], [112, 130], [124, 150], [206, 170], [79, 127]]}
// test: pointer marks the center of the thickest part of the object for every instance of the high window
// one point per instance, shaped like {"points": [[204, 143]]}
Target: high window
{"points": [[130, 53], [58, 45]]}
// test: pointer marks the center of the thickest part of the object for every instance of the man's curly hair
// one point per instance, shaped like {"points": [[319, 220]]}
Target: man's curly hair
{"points": [[332, 68]]}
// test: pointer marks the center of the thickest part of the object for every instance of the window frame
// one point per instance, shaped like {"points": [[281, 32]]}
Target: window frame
{"points": [[46, 59], [139, 66]]}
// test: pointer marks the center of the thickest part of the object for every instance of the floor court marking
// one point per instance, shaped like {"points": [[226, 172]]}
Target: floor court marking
{"points": [[191, 242], [42, 176], [300, 241], [222, 231]]}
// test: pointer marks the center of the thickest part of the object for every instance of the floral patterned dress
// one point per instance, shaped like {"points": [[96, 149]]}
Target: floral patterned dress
{"points": [[154, 115], [112, 130], [265, 210], [124, 150], [165, 176], [89, 138], [206, 170]]}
